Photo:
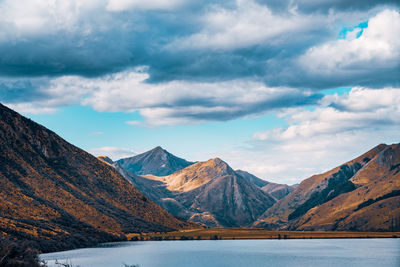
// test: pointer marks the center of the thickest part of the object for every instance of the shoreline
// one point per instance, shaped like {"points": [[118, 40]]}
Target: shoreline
{"points": [[241, 234], [244, 234]]}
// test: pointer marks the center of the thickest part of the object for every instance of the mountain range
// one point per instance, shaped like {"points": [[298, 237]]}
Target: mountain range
{"points": [[360, 195], [210, 193], [352, 196], [61, 197]]}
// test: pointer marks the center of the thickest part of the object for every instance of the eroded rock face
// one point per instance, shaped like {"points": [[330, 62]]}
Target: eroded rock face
{"points": [[157, 162], [62, 197], [360, 195]]}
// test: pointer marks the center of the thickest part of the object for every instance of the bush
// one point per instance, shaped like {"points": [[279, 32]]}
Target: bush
{"points": [[18, 254]]}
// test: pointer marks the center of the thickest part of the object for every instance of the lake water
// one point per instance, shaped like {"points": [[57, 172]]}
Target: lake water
{"points": [[233, 253]]}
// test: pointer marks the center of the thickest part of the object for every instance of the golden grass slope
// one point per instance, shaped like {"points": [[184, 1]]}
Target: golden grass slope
{"points": [[62, 197], [370, 202]]}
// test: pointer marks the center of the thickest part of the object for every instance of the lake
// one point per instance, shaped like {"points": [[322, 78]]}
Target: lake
{"points": [[232, 253]]}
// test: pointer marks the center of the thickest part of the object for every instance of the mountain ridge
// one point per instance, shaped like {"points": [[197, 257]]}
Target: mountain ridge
{"points": [[61, 196], [332, 200], [210, 193]]}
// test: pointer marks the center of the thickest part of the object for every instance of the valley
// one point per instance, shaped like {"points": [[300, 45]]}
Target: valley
{"points": [[60, 197]]}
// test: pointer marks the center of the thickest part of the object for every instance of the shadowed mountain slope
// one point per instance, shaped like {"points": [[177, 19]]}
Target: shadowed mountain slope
{"points": [[278, 191], [157, 162], [252, 178], [62, 197], [362, 195]]}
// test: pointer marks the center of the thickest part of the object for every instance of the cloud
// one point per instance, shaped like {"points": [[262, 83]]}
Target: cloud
{"points": [[312, 6], [293, 160], [177, 40], [374, 54], [247, 25], [215, 60], [361, 109], [175, 102], [114, 153], [316, 140], [122, 5]]}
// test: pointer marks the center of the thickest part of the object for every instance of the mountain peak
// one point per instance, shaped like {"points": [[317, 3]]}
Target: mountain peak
{"points": [[158, 149], [217, 161], [217, 164], [157, 161], [198, 174]]}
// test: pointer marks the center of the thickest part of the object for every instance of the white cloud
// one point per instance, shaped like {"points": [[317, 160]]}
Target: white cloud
{"points": [[317, 140], [114, 153], [176, 102], [122, 5], [31, 108], [377, 48], [361, 109], [246, 25], [35, 17]]}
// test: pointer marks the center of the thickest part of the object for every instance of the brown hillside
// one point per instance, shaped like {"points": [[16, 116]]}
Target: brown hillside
{"points": [[373, 206], [315, 191], [62, 197]]}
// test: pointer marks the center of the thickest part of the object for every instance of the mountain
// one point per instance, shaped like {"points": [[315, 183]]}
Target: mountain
{"points": [[157, 162], [362, 194], [210, 193], [61, 197], [252, 178], [278, 191]]}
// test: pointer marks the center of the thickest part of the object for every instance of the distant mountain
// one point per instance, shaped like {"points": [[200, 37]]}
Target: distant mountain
{"points": [[157, 162], [362, 195], [61, 197], [278, 191], [210, 193]]}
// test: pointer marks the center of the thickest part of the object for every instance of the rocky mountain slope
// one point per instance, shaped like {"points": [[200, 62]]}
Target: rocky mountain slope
{"points": [[157, 162], [252, 178], [210, 193], [278, 191], [62, 197], [362, 194]]}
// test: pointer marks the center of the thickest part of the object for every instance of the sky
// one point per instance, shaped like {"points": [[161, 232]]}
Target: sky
{"points": [[282, 89]]}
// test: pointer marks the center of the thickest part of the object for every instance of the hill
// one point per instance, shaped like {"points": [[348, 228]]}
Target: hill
{"points": [[362, 194], [61, 197]]}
